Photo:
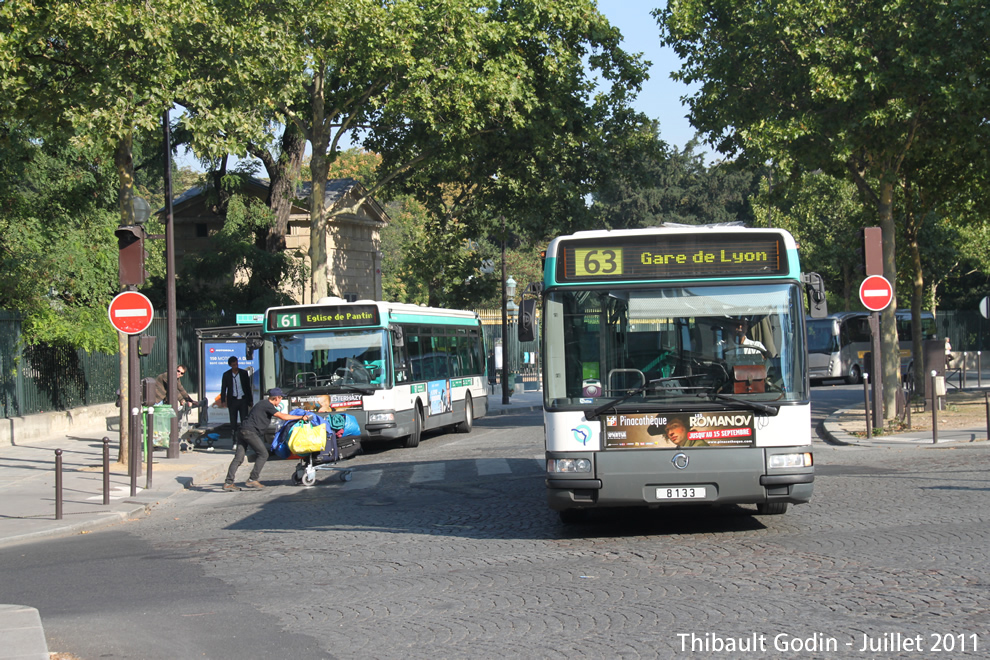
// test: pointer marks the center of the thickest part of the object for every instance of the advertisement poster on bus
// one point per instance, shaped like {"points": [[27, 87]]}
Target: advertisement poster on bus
{"points": [[669, 431], [215, 357], [438, 392]]}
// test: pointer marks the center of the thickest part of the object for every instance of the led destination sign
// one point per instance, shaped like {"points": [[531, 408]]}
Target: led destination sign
{"points": [[674, 256], [324, 316]]}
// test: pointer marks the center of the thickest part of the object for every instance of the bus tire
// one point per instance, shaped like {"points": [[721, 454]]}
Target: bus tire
{"points": [[771, 508], [468, 423], [412, 440], [855, 376]]}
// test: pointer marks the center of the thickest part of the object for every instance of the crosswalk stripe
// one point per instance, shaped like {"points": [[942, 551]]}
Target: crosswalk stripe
{"points": [[363, 479], [428, 472], [487, 466]]}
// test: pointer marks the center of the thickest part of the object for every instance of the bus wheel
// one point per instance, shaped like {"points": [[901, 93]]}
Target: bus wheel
{"points": [[412, 440], [855, 376], [771, 508], [465, 426]]}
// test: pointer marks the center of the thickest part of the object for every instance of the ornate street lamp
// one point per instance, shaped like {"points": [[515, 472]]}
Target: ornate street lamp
{"points": [[508, 291]]}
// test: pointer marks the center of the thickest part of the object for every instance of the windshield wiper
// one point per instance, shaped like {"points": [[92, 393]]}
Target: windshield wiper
{"points": [[751, 405], [363, 389], [639, 390]]}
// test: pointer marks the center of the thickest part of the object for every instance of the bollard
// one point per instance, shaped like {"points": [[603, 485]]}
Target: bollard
{"points": [[149, 444], [106, 471], [962, 373], [866, 405], [907, 399], [934, 409], [58, 484]]}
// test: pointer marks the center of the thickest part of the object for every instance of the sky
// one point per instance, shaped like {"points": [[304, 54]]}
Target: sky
{"points": [[660, 96]]}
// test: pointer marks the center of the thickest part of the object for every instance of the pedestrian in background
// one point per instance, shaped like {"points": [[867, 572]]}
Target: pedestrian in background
{"points": [[235, 393], [252, 434], [161, 387]]}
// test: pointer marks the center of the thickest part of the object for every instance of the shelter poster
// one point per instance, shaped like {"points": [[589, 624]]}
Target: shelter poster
{"points": [[670, 431], [215, 356]]}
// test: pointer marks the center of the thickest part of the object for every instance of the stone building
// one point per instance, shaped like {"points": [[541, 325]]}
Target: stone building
{"points": [[353, 239]]}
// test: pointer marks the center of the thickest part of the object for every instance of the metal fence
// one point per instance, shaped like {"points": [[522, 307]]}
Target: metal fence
{"points": [[40, 378], [522, 358], [967, 330]]}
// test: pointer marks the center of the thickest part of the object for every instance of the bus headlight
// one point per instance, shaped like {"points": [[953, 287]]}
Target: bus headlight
{"points": [[381, 417], [568, 465], [790, 460]]}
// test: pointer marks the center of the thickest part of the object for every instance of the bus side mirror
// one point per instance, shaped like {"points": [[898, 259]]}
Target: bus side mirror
{"points": [[397, 339], [527, 311], [251, 345], [527, 320], [814, 286]]}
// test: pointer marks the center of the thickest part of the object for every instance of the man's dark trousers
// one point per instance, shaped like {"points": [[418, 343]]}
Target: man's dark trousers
{"points": [[235, 407], [257, 443]]}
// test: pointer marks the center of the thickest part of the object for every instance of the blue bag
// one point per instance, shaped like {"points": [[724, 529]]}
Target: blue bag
{"points": [[343, 422]]}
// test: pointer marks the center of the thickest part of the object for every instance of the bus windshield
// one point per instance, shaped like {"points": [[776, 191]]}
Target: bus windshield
{"points": [[330, 360], [823, 336], [680, 342]]}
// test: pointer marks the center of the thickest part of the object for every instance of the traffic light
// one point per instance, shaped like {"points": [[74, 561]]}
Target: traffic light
{"points": [[130, 240]]}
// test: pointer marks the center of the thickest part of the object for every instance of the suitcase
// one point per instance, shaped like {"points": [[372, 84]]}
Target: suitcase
{"points": [[348, 447]]}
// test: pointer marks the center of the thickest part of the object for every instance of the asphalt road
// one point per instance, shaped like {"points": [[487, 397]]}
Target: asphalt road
{"points": [[449, 551]]}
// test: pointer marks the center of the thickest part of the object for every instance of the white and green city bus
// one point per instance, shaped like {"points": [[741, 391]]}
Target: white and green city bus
{"points": [[674, 368], [399, 369]]}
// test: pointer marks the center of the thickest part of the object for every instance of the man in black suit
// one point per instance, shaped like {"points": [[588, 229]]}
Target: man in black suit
{"points": [[235, 393]]}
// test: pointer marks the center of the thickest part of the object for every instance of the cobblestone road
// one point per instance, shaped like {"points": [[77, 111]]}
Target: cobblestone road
{"points": [[449, 551]]}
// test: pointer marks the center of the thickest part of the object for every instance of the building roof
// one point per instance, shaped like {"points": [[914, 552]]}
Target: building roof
{"points": [[336, 190]]}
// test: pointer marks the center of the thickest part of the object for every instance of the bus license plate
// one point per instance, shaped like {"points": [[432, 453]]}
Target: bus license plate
{"points": [[681, 493]]}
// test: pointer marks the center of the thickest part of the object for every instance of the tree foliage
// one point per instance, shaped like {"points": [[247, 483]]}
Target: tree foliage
{"points": [[852, 88], [655, 184], [57, 216], [495, 97]]}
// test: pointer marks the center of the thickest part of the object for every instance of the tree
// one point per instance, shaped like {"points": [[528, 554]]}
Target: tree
{"points": [[98, 72], [58, 215], [451, 90], [841, 87], [654, 184], [822, 212]]}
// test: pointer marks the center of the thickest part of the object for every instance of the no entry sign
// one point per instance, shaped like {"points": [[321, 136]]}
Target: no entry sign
{"points": [[875, 293], [131, 312]]}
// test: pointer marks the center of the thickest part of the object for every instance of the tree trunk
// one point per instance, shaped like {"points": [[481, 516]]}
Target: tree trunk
{"points": [[318, 222], [890, 349], [319, 165], [282, 175]]}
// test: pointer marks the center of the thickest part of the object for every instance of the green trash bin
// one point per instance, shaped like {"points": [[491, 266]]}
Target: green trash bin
{"points": [[162, 428]]}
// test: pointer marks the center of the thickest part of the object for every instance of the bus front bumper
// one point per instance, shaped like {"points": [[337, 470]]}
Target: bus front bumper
{"points": [[641, 478]]}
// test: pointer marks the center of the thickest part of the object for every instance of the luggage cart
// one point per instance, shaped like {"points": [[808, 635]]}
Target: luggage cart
{"points": [[305, 473]]}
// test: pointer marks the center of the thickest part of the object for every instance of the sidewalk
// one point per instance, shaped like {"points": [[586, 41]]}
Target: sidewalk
{"points": [[848, 428], [27, 490]]}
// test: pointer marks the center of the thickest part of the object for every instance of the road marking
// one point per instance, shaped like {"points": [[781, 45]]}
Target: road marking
{"points": [[428, 472], [363, 479], [488, 466]]}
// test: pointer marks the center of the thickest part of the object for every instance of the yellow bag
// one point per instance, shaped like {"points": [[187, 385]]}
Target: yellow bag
{"points": [[306, 438]]}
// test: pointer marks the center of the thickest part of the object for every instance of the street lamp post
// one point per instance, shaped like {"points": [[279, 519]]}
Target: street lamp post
{"points": [[508, 291]]}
